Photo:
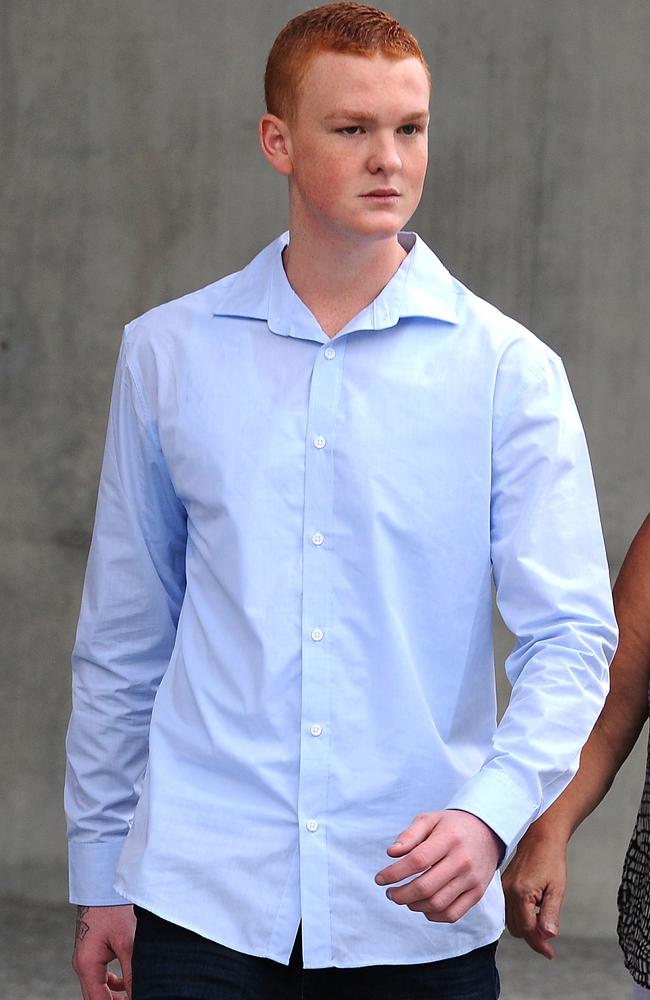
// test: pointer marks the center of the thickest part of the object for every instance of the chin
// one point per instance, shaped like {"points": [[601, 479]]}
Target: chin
{"points": [[386, 231], [377, 225]]}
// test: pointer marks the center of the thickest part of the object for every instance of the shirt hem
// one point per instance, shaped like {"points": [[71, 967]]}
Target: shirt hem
{"points": [[456, 953], [163, 912]]}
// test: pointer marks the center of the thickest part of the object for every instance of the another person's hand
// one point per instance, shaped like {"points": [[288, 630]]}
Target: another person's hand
{"points": [[534, 884], [102, 934], [457, 854]]}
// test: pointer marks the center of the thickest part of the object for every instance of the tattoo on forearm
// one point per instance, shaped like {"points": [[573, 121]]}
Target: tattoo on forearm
{"points": [[81, 927]]}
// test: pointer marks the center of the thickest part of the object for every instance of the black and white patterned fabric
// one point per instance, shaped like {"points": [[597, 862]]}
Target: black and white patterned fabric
{"points": [[634, 893]]}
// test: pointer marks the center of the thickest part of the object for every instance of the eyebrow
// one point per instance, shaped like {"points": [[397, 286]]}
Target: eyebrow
{"points": [[363, 116]]}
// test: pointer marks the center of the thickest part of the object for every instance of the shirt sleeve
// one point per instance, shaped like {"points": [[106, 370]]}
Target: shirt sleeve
{"points": [[553, 592], [133, 590]]}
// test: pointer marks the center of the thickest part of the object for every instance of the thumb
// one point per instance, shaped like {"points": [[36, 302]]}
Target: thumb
{"points": [[419, 830], [124, 959], [548, 919]]}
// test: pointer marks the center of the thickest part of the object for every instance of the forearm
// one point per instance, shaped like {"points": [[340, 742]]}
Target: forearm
{"points": [[115, 679], [107, 756], [600, 761]]}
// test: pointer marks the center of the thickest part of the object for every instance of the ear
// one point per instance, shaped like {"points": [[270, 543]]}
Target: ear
{"points": [[275, 143]]}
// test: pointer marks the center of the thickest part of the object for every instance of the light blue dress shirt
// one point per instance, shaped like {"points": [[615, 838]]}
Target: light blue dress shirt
{"points": [[285, 644]]}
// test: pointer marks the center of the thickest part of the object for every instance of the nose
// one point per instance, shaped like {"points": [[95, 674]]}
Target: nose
{"points": [[384, 156]]}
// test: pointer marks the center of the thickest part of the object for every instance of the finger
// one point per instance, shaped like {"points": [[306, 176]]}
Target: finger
{"points": [[82, 990], [124, 957], [523, 919], [414, 834], [93, 977], [443, 900], [116, 983], [432, 850], [521, 910], [528, 914], [420, 859], [538, 942], [94, 989], [548, 920], [458, 908], [424, 886]]}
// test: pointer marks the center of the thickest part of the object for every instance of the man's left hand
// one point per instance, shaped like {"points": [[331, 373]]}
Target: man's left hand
{"points": [[457, 855]]}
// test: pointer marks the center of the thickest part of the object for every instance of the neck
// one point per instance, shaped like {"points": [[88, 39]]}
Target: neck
{"points": [[336, 279]]}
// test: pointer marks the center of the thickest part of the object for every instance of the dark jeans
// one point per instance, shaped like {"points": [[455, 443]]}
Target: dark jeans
{"points": [[172, 963]]}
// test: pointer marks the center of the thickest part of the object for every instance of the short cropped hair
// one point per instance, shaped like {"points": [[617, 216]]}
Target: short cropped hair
{"points": [[336, 27]]}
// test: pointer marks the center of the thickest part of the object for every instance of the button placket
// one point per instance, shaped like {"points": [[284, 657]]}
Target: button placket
{"points": [[319, 633]]}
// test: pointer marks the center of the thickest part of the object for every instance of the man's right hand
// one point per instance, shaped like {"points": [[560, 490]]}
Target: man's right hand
{"points": [[102, 934], [534, 884]]}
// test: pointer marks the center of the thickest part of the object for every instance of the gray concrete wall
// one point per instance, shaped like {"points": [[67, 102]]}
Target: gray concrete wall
{"points": [[129, 174]]}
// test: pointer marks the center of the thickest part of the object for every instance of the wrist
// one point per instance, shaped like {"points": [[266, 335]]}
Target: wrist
{"points": [[553, 832], [499, 844]]}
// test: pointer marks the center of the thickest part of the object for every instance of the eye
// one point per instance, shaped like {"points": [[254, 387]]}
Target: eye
{"points": [[350, 130], [410, 129]]}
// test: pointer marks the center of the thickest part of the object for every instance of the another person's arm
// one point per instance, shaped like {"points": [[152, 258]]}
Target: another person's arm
{"points": [[536, 876], [134, 586]]}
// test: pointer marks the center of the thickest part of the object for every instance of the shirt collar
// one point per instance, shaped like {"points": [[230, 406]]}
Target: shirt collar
{"points": [[421, 287]]}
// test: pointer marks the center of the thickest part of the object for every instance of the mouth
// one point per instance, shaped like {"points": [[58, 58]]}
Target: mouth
{"points": [[382, 194]]}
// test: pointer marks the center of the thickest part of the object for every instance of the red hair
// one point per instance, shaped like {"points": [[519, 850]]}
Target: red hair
{"points": [[336, 27]]}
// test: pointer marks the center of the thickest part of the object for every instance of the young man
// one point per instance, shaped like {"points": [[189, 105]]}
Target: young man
{"points": [[314, 469]]}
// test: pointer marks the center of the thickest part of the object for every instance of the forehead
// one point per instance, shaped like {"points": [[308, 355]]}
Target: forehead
{"points": [[376, 83]]}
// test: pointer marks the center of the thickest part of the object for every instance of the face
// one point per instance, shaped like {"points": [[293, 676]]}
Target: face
{"points": [[356, 150]]}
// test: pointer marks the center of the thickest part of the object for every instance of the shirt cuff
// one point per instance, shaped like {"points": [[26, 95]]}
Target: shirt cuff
{"points": [[92, 869], [505, 806]]}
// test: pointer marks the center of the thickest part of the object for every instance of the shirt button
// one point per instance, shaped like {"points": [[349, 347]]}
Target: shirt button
{"points": [[316, 730], [317, 539], [320, 442], [330, 353], [312, 825], [317, 635]]}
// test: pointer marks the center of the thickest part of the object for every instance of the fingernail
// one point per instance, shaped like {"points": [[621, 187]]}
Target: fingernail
{"points": [[380, 880], [388, 895], [551, 928], [397, 843]]}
